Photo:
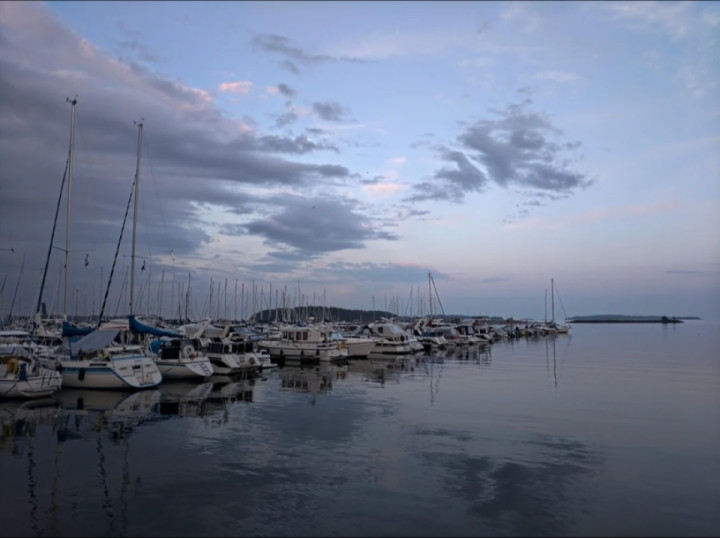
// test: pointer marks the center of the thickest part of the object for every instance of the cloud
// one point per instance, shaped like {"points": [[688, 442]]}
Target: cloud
{"points": [[195, 159], [292, 55], [556, 76], [297, 145], [329, 111], [314, 226], [670, 18], [450, 183], [383, 272], [659, 207], [286, 118], [236, 87], [517, 149], [286, 90]]}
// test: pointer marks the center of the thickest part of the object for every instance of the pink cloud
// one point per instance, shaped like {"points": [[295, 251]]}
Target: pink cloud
{"points": [[236, 87]]}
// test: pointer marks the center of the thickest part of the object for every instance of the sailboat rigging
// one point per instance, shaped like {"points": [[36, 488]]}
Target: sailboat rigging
{"points": [[67, 174], [105, 358], [558, 327]]}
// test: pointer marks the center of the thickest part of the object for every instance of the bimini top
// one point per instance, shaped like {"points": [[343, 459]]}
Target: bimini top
{"points": [[95, 340]]}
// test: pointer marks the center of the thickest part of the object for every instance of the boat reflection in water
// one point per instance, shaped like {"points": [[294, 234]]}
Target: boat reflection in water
{"points": [[312, 379], [480, 353], [20, 419], [229, 388], [35, 434], [184, 398], [209, 399]]}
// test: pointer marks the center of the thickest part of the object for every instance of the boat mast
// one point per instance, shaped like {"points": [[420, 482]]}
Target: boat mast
{"points": [[552, 298], [430, 305], [73, 102], [135, 211]]}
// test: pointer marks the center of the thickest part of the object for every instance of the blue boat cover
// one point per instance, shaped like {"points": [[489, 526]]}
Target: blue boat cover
{"points": [[136, 327], [70, 330]]}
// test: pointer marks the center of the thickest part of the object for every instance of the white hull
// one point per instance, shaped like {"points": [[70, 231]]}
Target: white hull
{"points": [[359, 347], [131, 372], [299, 351], [33, 387], [232, 363], [388, 347], [184, 368]]}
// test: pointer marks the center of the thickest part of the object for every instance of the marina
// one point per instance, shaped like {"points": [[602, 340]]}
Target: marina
{"points": [[606, 430]]}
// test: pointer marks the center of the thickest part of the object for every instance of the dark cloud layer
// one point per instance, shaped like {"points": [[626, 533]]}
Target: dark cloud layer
{"points": [[193, 158], [515, 150], [315, 226]]}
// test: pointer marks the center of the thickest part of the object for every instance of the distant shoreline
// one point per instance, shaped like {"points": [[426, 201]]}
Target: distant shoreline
{"points": [[631, 319]]}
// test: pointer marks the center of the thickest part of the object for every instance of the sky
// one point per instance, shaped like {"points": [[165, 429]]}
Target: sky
{"points": [[365, 155]]}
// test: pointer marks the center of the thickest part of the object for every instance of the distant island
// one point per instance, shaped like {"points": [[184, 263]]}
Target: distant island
{"points": [[618, 318]]}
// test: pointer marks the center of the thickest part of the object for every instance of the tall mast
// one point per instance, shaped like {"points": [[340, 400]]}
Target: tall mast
{"points": [[135, 211], [552, 298], [430, 305], [73, 102]]}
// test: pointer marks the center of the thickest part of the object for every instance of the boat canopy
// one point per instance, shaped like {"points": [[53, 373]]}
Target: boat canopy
{"points": [[95, 340]]}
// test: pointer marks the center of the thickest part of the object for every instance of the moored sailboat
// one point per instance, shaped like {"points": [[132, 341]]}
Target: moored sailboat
{"points": [[21, 373]]}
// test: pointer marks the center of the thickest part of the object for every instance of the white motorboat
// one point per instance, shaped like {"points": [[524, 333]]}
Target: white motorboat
{"points": [[226, 357], [305, 342], [358, 347], [177, 358], [391, 339]]}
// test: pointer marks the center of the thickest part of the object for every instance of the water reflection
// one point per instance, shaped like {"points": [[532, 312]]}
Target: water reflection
{"points": [[433, 367], [114, 412], [551, 360], [537, 491], [480, 354], [385, 367], [184, 398], [20, 419], [314, 379], [418, 445]]}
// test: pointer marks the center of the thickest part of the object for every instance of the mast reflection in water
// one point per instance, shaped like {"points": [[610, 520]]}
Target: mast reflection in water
{"points": [[610, 430]]}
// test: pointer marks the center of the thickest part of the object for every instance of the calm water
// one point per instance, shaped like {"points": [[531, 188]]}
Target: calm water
{"points": [[611, 430]]}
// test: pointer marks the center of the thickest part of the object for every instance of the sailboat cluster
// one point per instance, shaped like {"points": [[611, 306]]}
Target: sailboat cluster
{"points": [[133, 354]]}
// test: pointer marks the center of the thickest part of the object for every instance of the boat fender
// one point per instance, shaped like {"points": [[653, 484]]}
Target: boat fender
{"points": [[81, 374], [22, 375], [12, 366]]}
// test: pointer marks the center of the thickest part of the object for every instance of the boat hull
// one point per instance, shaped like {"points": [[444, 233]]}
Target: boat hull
{"points": [[184, 368], [294, 351], [359, 347], [38, 386], [133, 372], [232, 364]]}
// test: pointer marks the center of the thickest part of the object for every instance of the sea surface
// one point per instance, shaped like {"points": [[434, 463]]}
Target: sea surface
{"points": [[612, 430]]}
